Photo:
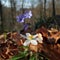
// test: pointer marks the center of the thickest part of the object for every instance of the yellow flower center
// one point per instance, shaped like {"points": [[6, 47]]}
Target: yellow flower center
{"points": [[30, 37]]}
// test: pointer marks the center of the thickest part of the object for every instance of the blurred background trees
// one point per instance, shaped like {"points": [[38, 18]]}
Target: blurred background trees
{"points": [[43, 12]]}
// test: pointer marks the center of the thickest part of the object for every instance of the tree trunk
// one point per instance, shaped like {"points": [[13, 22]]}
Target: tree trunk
{"points": [[53, 4], [1, 19], [44, 9], [41, 8], [13, 13], [22, 6]]}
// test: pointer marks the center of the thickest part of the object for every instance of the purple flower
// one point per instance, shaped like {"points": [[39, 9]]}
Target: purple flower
{"points": [[22, 17], [28, 14], [26, 27]]}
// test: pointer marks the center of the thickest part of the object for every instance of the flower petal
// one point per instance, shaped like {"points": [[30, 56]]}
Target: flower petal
{"points": [[35, 36], [39, 35], [34, 42], [26, 43], [28, 14], [23, 36], [26, 27], [28, 34], [40, 40]]}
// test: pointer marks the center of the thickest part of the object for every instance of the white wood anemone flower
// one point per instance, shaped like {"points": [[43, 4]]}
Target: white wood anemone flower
{"points": [[32, 39]]}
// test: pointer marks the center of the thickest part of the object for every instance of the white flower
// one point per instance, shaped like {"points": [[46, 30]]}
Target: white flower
{"points": [[27, 42], [32, 39], [39, 38]]}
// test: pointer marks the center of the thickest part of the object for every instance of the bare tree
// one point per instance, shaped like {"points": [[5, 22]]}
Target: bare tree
{"points": [[13, 12], [53, 4], [22, 6], [1, 18], [41, 8], [44, 9]]}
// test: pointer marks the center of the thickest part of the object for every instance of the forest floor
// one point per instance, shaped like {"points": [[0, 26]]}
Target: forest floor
{"points": [[53, 53]]}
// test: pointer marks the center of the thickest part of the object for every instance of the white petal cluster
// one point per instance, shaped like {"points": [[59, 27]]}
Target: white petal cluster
{"points": [[32, 39]]}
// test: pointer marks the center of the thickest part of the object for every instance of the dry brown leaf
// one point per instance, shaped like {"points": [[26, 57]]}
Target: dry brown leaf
{"points": [[33, 47]]}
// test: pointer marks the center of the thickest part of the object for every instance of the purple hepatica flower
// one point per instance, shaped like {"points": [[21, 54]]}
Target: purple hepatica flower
{"points": [[20, 18], [28, 14], [26, 27]]}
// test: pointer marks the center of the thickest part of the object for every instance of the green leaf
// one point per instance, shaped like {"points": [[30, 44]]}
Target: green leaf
{"points": [[20, 55], [15, 57], [23, 47], [32, 58]]}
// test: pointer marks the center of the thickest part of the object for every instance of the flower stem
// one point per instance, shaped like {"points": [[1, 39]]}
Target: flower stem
{"points": [[36, 56]]}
